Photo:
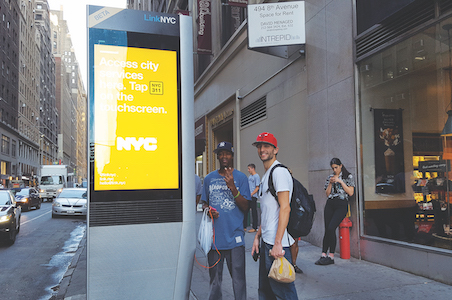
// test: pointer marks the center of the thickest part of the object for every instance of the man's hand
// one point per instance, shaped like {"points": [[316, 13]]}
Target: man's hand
{"points": [[238, 198], [277, 251], [214, 212], [255, 248], [229, 179]]}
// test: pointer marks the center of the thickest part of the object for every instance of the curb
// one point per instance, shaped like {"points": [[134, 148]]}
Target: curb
{"points": [[66, 280]]}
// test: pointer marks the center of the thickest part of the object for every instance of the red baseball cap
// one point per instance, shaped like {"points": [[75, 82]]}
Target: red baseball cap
{"points": [[267, 138]]}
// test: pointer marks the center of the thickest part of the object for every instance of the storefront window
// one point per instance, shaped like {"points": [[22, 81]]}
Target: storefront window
{"points": [[405, 93]]}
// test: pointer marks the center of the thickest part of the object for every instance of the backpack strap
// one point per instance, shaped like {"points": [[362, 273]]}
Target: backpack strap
{"points": [[271, 187]]}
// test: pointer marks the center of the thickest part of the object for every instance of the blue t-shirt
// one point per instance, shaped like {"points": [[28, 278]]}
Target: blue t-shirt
{"points": [[229, 225], [254, 181]]}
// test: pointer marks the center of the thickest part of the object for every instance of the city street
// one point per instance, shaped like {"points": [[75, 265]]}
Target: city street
{"points": [[34, 265]]}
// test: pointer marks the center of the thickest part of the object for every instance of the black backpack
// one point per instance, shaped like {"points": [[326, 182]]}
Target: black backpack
{"points": [[302, 207]]}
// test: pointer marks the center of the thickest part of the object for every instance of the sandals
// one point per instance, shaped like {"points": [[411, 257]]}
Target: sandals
{"points": [[297, 269]]}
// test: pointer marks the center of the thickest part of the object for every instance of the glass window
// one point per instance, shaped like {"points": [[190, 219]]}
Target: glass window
{"points": [[5, 144], [232, 18], [405, 93], [13, 148]]}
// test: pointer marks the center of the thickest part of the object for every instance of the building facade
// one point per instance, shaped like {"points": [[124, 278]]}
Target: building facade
{"points": [[371, 86], [28, 104], [9, 93], [48, 114], [70, 100], [30, 115]]}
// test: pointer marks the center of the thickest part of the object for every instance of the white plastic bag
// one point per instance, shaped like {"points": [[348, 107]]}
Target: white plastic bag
{"points": [[205, 233]]}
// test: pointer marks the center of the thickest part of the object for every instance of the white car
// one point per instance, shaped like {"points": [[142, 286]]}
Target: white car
{"points": [[70, 202]]}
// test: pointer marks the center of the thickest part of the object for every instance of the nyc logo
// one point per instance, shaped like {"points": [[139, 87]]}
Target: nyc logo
{"points": [[148, 144]]}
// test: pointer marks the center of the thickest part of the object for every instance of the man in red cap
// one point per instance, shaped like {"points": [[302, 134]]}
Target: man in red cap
{"points": [[276, 241]]}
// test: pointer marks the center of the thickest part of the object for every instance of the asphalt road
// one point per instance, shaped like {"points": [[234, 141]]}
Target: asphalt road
{"points": [[33, 266]]}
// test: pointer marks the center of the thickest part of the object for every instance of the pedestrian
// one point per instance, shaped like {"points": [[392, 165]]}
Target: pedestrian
{"points": [[227, 193], [198, 189], [272, 234], [294, 251], [254, 182], [339, 186]]}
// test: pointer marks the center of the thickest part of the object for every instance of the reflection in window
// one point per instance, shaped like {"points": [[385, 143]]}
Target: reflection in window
{"points": [[408, 90], [231, 17]]}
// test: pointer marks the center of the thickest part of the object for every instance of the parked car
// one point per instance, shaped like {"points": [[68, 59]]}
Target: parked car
{"points": [[70, 202], [10, 213], [27, 198]]}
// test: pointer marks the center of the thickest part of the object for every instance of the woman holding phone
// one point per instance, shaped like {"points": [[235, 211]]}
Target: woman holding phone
{"points": [[339, 186]]}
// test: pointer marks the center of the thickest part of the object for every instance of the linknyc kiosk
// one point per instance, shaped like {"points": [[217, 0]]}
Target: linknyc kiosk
{"points": [[141, 219]]}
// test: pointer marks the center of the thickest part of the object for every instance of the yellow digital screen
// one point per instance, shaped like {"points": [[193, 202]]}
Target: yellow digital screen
{"points": [[136, 128]]}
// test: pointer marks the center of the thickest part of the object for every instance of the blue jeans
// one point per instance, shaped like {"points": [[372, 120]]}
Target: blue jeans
{"points": [[270, 289]]}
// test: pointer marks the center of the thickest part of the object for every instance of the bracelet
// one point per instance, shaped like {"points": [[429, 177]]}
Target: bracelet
{"points": [[238, 194]]}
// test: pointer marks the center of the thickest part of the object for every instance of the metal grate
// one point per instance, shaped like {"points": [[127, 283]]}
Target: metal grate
{"points": [[253, 112], [135, 212], [444, 6], [401, 22]]}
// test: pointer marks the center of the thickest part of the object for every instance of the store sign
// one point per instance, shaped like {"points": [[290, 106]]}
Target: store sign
{"points": [[204, 27], [276, 24], [136, 113], [200, 130], [200, 136], [434, 166], [221, 118]]}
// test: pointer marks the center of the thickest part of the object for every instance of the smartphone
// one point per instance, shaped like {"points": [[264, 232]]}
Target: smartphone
{"points": [[255, 256]]}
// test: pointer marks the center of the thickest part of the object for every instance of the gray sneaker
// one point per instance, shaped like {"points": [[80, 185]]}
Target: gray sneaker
{"points": [[319, 261], [326, 261]]}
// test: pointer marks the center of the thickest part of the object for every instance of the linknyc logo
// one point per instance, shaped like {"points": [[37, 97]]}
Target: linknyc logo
{"points": [[160, 19]]}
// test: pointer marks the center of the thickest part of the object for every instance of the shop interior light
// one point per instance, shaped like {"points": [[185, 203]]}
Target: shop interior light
{"points": [[447, 131]]}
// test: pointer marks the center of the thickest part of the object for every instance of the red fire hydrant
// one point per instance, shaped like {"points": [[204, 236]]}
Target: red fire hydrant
{"points": [[344, 236]]}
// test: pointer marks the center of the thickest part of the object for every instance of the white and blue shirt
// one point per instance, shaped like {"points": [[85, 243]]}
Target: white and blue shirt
{"points": [[229, 225]]}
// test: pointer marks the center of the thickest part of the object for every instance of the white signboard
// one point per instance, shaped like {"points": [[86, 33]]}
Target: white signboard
{"points": [[276, 24]]}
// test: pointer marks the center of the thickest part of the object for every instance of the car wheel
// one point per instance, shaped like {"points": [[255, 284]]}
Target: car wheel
{"points": [[18, 227], [39, 205], [12, 236], [29, 207], [54, 216]]}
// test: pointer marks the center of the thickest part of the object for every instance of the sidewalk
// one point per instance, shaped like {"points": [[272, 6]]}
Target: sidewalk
{"points": [[346, 279], [351, 279]]}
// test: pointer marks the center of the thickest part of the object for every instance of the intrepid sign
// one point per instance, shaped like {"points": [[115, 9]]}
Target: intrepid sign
{"points": [[276, 24]]}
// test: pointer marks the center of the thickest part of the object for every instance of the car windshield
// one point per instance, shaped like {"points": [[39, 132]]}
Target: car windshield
{"points": [[79, 193], [5, 199], [21, 192], [49, 180]]}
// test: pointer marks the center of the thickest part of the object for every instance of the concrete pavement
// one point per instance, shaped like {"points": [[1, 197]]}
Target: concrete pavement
{"points": [[346, 279]]}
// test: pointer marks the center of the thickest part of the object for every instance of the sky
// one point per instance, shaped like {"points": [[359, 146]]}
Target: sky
{"points": [[74, 12]]}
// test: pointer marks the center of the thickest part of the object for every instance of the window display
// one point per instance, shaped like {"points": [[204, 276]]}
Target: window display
{"points": [[405, 93]]}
